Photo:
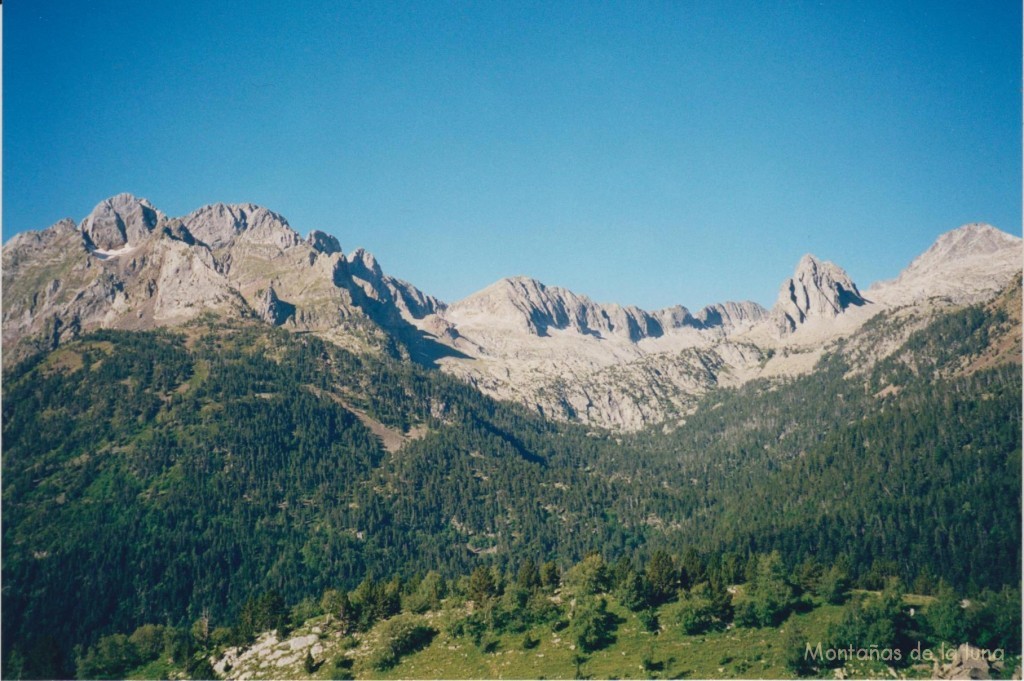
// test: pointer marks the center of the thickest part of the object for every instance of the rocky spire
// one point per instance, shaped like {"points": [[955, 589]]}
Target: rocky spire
{"points": [[817, 289]]}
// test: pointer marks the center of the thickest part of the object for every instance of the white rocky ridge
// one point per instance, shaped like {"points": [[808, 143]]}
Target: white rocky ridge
{"points": [[127, 265]]}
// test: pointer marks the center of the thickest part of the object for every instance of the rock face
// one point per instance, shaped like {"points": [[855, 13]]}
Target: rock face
{"points": [[127, 265], [220, 225], [731, 316], [818, 289], [529, 306], [272, 309]]}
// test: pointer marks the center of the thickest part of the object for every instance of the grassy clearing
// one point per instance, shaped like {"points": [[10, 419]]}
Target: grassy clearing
{"points": [[634, 654]]}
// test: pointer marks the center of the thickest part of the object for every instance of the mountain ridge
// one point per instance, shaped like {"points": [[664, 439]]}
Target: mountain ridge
{"points": [[128, 265]]}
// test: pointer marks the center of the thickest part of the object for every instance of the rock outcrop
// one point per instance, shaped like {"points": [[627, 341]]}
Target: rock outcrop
{"points": [[272, 309]]}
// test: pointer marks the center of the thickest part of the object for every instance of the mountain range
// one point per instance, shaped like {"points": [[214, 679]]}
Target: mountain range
{"points": [[127, 265], [210, 417]]}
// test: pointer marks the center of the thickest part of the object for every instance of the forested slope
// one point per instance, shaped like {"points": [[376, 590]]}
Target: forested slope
{"points": [[152, 476]]}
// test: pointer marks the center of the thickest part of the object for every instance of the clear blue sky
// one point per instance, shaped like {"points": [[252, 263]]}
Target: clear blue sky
{"points": [[649, 153]]}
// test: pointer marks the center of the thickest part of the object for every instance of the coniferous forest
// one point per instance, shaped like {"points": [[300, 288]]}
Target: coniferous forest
{"points": [[168, 494]]}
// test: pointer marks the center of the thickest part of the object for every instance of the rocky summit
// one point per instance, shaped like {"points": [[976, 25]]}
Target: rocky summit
{"points": [[817, 290], [128, 265]]}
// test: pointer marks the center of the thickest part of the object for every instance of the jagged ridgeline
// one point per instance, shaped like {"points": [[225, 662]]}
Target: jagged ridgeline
{"points": [[150, 476]]}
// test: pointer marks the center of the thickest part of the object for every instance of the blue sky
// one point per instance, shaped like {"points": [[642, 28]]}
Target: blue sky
{"points": [[648, 153]]}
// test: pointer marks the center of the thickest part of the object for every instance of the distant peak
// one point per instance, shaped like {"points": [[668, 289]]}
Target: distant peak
{"points": [[323, 242], [120, 220], [818, 288], [523, 280], [808, 260], [974, 238], [218, 224], [124, 200], [369, 263]]}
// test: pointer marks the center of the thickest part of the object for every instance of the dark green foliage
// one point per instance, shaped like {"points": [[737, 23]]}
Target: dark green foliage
{"points": [[692, 569], [632, 591], [266, 612], [592, 626], [481, 585], [946, 617], [374, 600], [693, 614], [769, 594], [588, 577], [701, 609], [149, 641], [795, 651], [309, 664], [428, 594], [649, 620], [877, 621], [662, 578], [993, 620], [550, 576], [807, 466], [528, 576], [111, 658], [339, 609], [832, 585], [200, 669]]}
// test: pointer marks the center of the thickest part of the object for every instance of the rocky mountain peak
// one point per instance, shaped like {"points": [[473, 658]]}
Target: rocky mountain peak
{"points": [[364, 265], [817, 289], [674, 317], [220, 224], [122, 220], [964, 265], [323, 242], [968, 241]]}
